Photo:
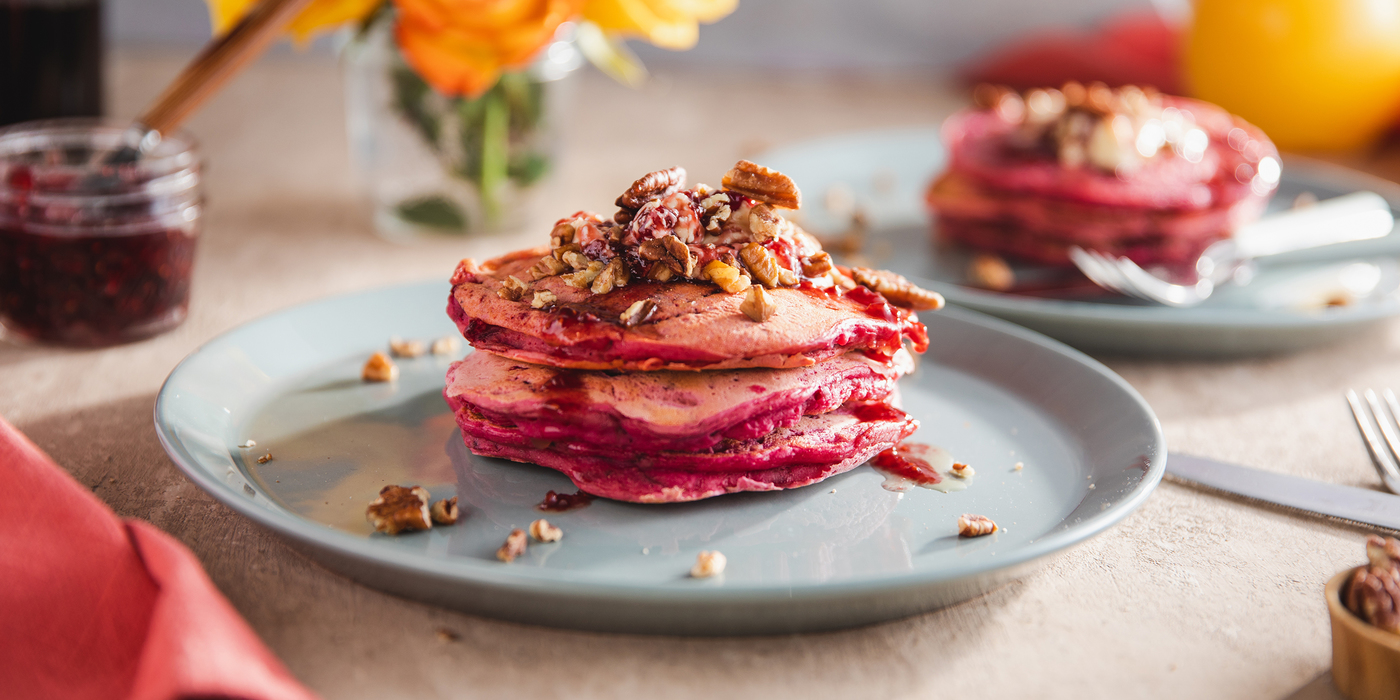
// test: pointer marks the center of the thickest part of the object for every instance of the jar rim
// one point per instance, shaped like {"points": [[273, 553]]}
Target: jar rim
{"points": [[175, 155]]}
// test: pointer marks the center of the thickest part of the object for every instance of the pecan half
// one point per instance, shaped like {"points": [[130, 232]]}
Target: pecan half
{"points": [[651, 186], [585, 276], [763, 184], [638, 312], [899, 291], [761, 263], [398, 509], [1373, 592], [670, 251], [970, 525], [757, 305]]}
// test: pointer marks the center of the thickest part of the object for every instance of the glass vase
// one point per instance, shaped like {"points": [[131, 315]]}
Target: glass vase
{"points": [[438, 165]]}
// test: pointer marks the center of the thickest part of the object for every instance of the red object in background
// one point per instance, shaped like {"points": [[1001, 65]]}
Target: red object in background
{"points": [[1138, 48], [94, 607]]}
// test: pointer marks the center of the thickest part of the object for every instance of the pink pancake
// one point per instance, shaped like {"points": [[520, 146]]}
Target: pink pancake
{"points": [[976, 140], [696, 326], [657, 411], [812, 449], [1026, 205]]}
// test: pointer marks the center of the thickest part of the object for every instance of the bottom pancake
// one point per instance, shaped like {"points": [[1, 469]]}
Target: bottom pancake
{"points": [[814, 448]]}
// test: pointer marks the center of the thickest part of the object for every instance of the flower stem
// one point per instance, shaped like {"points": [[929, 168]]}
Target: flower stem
{"points": [[495, 144]]}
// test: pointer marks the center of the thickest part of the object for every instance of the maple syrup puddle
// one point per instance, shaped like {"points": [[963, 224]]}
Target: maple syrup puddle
{"points": [[915, 464]]}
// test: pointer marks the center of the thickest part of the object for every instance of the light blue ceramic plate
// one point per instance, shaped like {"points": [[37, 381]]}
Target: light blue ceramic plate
{"points": [[1284, 309], [840, 553]]}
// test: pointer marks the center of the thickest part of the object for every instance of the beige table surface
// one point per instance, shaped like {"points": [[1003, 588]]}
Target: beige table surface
{"points": [[1194, 595]]}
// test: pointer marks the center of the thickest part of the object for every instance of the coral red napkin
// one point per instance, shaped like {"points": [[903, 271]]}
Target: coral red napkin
{"points": [[94, 607], [1137, 48]]}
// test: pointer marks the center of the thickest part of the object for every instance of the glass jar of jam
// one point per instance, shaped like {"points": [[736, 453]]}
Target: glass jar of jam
{"points": [[94, 253]]}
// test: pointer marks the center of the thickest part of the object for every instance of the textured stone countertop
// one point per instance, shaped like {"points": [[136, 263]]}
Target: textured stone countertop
{"points": [[1194, 595]]}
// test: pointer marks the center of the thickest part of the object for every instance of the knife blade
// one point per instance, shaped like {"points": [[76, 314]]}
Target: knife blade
{"points": [[1334, 500]]}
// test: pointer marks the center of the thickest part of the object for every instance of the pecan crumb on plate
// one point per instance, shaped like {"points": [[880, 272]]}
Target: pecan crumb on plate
{"points": [[970, 525], [514, 546], [399, 509]]}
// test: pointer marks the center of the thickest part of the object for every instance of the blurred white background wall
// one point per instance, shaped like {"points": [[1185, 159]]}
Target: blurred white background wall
{"points": [[788, 34]]}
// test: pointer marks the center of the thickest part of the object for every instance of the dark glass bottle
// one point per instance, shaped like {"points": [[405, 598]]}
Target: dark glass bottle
{"points": [[50, 59]]}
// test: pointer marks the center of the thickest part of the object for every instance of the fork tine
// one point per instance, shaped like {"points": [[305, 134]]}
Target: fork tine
{"points": [[1386, 422], [1381, 456], [1094, 269], [1113, 274]]}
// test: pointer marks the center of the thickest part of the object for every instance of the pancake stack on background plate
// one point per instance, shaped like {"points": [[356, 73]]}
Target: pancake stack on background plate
{"points": [[1122, 171], [695, 344]]}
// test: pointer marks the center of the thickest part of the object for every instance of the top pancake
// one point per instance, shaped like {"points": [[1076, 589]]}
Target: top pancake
{"points": [[696, 326]]}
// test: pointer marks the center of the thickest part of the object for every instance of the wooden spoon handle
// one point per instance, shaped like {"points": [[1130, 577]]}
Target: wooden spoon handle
{"points": [[220, 60]]}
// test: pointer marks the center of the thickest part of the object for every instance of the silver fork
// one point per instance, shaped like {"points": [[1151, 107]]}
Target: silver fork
{"points": [[1384, 445], [1353, 217]]}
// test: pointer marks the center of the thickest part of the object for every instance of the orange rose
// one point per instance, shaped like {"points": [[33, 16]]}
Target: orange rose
{"points": [[670, 24], [460, 47], [320, 15]]}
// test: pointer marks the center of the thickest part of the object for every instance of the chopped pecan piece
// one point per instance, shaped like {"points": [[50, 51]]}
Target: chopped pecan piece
{"points": [[543, 531], [990, 271], [638, 312], [899, 291], [652, 186], [727, 277], [670, 251], [398, 509], [817, 264], [574, 259], [445, 512], [761, 263], [764, 223], [562, 235], [379, 368], [707, 564], [757, 305], [970, 525], [514, 546], [548, 266], [584, 277], [660, 272], [406, 348], [962, 471], [613, 276], [512, 288], [445, 345], [763, 184], [543, 298]]}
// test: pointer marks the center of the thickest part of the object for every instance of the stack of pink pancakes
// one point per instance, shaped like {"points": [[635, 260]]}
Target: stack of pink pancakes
{"points": [[707, 370], [1125, 172]]}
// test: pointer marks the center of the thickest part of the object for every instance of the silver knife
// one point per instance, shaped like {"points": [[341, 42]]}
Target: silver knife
{"points": [[1345, 502]]}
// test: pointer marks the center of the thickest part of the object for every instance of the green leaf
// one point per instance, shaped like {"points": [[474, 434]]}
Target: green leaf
{"points": [[410, 97], [529, 168], [433, 211]]}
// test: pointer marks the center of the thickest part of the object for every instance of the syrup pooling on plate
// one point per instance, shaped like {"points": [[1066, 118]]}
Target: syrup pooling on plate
{"points": [[917, 464]]}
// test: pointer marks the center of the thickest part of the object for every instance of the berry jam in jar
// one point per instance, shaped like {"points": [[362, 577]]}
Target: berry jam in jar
{"points": [[91, 253]]}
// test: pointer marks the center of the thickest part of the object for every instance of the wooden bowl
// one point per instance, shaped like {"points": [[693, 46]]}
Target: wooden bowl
{"points": [[1365, 660]]}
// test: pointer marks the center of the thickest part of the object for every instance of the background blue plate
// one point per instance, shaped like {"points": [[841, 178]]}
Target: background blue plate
{"points": [[886, 173], [840, 553]]}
